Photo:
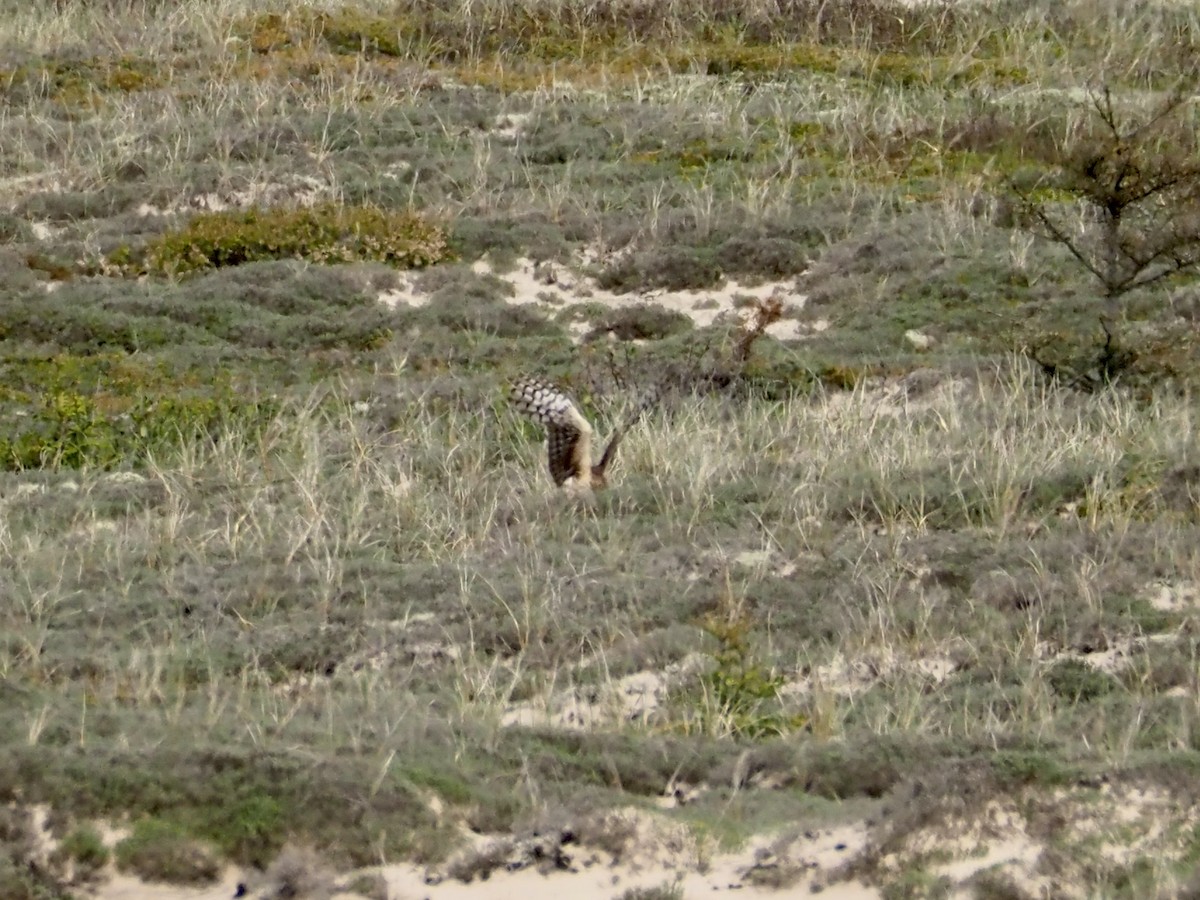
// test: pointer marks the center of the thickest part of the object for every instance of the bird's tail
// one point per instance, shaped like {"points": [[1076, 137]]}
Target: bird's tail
{"points": [[648, 399]]}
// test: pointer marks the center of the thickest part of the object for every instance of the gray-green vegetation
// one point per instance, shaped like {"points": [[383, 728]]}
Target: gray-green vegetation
{"points": [[279, 567]]}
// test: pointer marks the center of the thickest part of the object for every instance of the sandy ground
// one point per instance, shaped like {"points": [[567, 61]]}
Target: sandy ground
{"points": [[405, 883], [553, 287], [601, 882], [125, 887], [1005, 836], [592, 877]]}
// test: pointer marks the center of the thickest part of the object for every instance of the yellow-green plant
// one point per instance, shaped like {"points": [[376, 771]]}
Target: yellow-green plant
{"points": [[743, 692], [72, 430], [326, 233]]}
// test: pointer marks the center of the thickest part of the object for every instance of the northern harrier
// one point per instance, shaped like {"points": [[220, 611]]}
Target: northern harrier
{"points": [[569, 434]]}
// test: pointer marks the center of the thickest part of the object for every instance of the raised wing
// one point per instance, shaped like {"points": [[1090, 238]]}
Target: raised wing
{"points": [[568, 433]]}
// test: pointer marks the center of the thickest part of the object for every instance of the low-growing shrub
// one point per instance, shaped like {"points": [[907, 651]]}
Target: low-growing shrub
{"points": [[277, 305], [327, 233], [162, 851], [763, 257], [73, 80], [463, 301], [21, 880], [506, 237], [467, 314], [741, 692], [673, 268], [14, 229], [71, 430], [111, 199], [664, 891], [644, 321], [1077, 682], [85, 850]]}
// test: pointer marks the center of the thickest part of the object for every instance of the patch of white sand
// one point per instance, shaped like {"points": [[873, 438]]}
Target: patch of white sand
{"points": [[917, 391], [1112, 659], [847, 676], [632, 699], [1173, 596], [510, 126], [664, 853], [554, 287], [302, 190], [604, 883], [128, 887], [765, 561]]}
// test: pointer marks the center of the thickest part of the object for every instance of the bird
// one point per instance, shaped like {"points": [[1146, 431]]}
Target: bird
{"points": [[569, 434]]}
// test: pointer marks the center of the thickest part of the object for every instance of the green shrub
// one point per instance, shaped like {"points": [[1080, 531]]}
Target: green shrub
{"points": [[1077, 682], [1021, 767], [1136, 175], [744, 693], [162, 851], [68, 429], [507, 236], [673, 268], [14, 229], [499, 319], [86, 850], [67, 433], [664, 891], [762, 256], [642, 321], [276, 305], [460, 301], [352, 30], [21, 880], [347, 30], [327, 233], [253, 828], [107, 200], [841, 769], [21, 877], [918, 883], [73, 80]]}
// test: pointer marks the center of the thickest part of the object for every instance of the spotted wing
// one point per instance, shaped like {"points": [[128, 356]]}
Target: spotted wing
{"points": [[568, 434]]}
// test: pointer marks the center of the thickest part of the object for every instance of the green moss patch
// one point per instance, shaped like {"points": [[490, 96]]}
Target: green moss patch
{"points": [[81, 81]]}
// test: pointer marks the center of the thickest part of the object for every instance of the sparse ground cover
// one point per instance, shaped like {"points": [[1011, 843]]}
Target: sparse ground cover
{"points": [[876, 601]]}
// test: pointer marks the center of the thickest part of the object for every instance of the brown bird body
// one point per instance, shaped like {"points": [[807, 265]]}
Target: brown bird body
{"points": [[568, 433]]}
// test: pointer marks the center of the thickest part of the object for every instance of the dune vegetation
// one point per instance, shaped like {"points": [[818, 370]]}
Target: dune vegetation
{"points": [[910, 541]]}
